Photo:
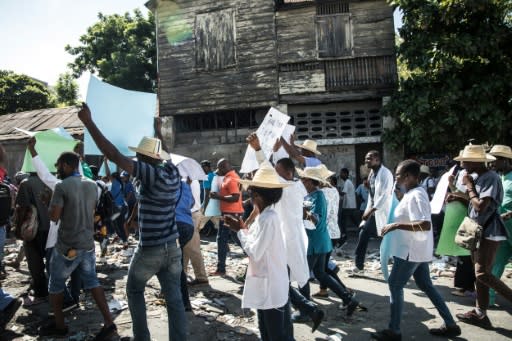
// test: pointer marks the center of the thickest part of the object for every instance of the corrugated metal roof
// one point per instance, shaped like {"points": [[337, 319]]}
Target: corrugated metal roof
{"points": [[37, 120]]}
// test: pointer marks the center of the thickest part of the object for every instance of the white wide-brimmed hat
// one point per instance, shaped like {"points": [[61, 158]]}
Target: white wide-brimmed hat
{"points": [[265, 177], [474, 153], [425, 169], [151, 147], [309, 145], [314, 173], [326, 173], [501, 151]]}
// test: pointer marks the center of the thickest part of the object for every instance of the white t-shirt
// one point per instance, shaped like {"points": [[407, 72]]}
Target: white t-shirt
{"points": [[349, 198], [409, 245]]}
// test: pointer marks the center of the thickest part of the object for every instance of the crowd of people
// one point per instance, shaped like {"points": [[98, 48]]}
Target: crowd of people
{"points": [[288, 221]]}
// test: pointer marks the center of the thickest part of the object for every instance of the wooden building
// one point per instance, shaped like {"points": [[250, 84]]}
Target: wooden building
{"points": [[223, 63], [15, 142]]}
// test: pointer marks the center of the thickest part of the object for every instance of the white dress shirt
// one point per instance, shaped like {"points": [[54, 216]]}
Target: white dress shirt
{"points": [[333, 203], [266, 283], [382, 198]]}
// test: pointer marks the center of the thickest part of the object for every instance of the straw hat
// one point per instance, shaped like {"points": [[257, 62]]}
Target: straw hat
{"points": [[309, 145], [474, 153], [151, 147], [501, 151], [326, 173], [266, 177], [314, 173], [424, 169]]}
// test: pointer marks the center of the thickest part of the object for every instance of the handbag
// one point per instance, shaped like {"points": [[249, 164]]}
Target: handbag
{"points": [[469, 234]]}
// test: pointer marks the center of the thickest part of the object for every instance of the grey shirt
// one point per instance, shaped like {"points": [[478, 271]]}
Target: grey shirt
{"points": [[77, 196], [488, 185], [33, 191]]}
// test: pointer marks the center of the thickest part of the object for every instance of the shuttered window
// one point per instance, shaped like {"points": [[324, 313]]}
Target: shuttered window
{"points": [[334, 35], [215, 40]]}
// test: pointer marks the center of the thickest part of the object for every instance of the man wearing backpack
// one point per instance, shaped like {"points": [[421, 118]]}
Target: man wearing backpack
{"points": [[158, 252], [34, 193]]}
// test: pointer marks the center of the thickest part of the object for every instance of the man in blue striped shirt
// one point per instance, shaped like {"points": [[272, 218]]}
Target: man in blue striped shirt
{"points": [[158, 252]]}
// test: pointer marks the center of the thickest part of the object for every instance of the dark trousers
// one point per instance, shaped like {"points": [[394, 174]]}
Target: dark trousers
{"points": [[223, 236], [368, 230], [35, 253], [331, 273], [316, 263], [186, 232], [464, 274], [275, 324], [483, 259], [305, 306]]}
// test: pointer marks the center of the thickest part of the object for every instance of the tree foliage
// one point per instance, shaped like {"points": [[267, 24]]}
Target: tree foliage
{"points": [[458, 56], [121, 49], [22, 93], [66, 90]]}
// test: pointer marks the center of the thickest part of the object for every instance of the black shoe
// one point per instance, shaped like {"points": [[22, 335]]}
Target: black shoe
{"points": [[8, 313], [106, 333], [317, 317], [51, 329], [351, 307], [446, 331], [387, 335], [67, 307]]}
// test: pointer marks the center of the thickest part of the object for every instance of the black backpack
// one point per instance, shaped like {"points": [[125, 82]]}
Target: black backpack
{"points": [[5, 203], [106, 207]]}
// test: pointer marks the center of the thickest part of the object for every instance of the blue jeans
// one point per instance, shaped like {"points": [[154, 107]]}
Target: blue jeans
{"points": [[223, 235], [164, 261], [72, 292], [275, 324], [5, 299], [305, 306], [61, 268], [368, 230], [400, 274]]}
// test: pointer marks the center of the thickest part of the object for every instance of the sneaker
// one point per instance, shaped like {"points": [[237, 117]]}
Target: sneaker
{"points": [[106, 333], [352, 294], [8, 313], [51, 329], [217, 273], [472, 317], [351, 307], [387, 335], [446, 331], [30, 301], [318, 316], [297, 317], [198, 282], [355, 271], [67, 307]]}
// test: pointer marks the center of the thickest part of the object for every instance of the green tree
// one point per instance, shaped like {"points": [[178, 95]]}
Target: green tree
{"points": [[458, 84], [121, 49], [66, 90], [21, 93]]}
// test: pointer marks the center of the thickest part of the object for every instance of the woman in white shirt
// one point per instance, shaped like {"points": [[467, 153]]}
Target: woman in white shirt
{"points": [[266, 284], [411, 247]]}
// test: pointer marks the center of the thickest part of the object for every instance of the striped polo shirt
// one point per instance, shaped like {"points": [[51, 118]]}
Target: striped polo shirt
{"points": [[159, 193]]}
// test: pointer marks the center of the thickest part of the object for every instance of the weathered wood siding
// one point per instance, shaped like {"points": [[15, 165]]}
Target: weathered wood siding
{"points": [[351, 43], [237, 70]]}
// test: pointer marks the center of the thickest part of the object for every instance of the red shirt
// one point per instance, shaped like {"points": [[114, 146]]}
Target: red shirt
{"points": [[230, 185]]}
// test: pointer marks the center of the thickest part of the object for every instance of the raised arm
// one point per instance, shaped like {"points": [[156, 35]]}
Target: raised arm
{"points": [[105, 146]]}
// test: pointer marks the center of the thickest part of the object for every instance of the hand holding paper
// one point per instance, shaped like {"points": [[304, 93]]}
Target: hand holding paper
{"points": [[85, 114]]}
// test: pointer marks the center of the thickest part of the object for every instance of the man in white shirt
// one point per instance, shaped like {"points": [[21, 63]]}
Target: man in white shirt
{"points": [[377, 209]]}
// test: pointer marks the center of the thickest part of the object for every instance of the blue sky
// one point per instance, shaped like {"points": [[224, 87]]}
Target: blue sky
{"points": [[33, 33]]}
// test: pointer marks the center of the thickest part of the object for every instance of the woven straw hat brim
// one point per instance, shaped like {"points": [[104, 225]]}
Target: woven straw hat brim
{"points": [[302, 174], [487, 158], [162, 156], [500, 154], [308, 148], [247, 183]]}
